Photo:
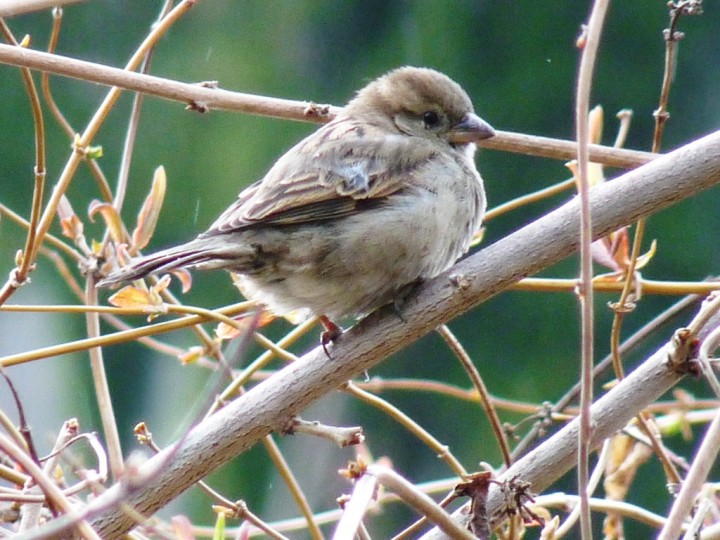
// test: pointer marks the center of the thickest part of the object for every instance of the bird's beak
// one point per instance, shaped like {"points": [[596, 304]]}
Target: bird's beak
{"points": [[470, 129]]}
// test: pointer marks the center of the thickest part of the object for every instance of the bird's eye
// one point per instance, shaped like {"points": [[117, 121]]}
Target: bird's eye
{"points": [[431, 119]]}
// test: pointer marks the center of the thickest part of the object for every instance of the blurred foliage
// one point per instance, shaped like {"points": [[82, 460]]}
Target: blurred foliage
{"points": [[518, 62]]}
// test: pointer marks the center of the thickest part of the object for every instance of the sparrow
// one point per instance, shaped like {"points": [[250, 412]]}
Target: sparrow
{"points": [[384, 196]]}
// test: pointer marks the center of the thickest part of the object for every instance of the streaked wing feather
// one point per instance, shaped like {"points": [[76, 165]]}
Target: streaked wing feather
{"points": [[305, 186]]}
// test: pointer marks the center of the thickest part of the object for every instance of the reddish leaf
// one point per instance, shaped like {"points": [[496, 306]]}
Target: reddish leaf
{"points": [[185, 278], [645, 258], [611, 251], [111, 217], [131, 297], [148, 216], [192, 355], [147, 299], [70, 223], [246, 323]]}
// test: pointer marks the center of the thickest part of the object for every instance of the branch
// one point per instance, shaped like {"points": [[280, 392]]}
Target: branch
{"points": [[549, 461], [197, 96], [585, 293], [204, 97], [266, 407], [11, 8]]}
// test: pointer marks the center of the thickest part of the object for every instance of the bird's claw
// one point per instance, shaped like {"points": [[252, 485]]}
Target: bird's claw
{"points": [[331, 333]]}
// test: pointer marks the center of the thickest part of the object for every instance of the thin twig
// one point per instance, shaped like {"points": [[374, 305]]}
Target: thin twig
{"points": [[628, 345], [441, 450], [364, 491], [691, 485], [645, 286], [244, 512], [31, 512], [293, 485], [528, 199], [623, 306], [342, 436], [25, 264], [411, 530], [119, 337], [100, 382], [707, 502], [47, 485], [84, 140], [49, 238], [597, 475], [564, 500], [709, 344], [661, 116], [13, 430], [586, 294], [262, 361], [485, 400], [92, 164], [133, 123], [418, 500]]}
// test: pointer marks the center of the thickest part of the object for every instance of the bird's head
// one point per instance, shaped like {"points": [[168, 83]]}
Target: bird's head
{"points": [[421, 102]]}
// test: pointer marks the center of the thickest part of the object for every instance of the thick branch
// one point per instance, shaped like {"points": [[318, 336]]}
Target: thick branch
{"points": [[204, 98], [268, 405], [549, 461]]}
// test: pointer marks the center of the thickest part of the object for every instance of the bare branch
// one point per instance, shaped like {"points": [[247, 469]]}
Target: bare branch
{"points": [[265, 407], [553, 458], [206, 97], [585, 290]]}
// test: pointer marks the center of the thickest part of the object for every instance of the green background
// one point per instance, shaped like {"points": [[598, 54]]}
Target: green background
{"points": [[517, 61]]}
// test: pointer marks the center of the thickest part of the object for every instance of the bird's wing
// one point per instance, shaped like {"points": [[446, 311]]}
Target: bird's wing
{"points": [[342, 167]]}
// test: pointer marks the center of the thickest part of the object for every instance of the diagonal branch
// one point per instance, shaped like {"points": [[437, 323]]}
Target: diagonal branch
{"points": [[556, 456], [266, 407]]}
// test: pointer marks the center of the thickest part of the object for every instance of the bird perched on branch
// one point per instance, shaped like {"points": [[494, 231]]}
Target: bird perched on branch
{"points": [[382, 197]]}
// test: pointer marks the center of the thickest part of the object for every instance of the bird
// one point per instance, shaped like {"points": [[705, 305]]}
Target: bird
{"points": [[384, 196]]}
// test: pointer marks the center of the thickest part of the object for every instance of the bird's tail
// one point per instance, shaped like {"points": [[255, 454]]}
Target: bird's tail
{"points": [[206, 252]]}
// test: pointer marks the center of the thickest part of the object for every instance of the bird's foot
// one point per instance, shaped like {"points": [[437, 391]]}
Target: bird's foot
{"points": [[401, 296], [331, 333]]}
